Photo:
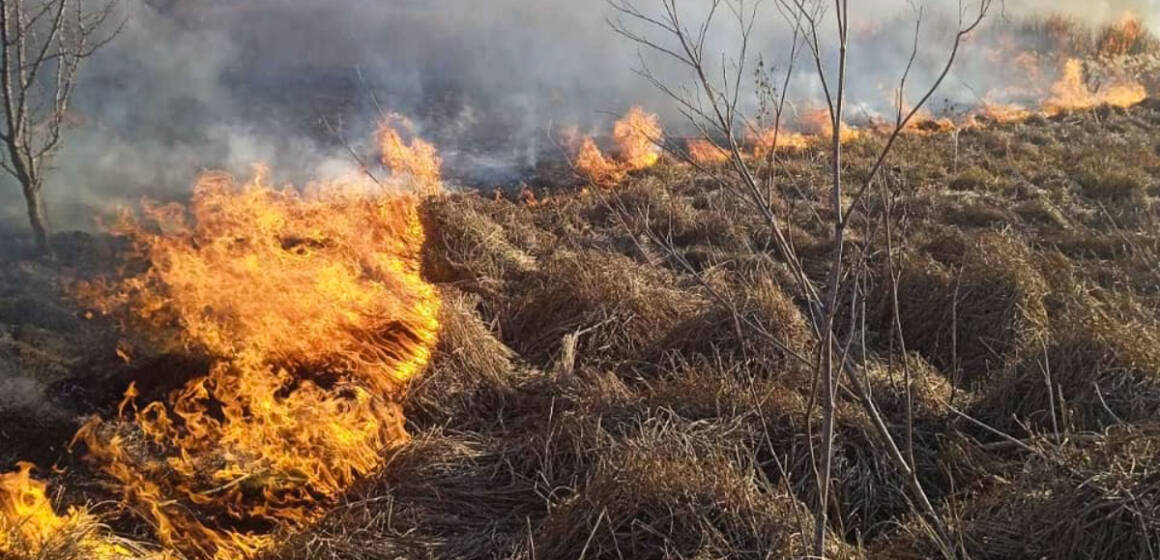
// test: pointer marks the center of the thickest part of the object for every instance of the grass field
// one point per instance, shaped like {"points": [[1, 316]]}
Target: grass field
{"points": [[594, 395], [589, 398]]}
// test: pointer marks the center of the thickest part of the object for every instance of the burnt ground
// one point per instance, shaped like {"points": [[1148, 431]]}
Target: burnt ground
{"points": [[56, 363], [591, 397]]}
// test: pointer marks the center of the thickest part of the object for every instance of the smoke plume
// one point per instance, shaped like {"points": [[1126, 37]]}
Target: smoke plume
{"points": [[191, 85]]}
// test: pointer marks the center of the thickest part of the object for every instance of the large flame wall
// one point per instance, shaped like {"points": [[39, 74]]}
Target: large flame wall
{"points": [[311, 313]]}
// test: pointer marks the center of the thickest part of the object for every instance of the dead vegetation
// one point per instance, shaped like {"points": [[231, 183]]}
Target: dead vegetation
{"points": [[591, 398], [594, 395]]}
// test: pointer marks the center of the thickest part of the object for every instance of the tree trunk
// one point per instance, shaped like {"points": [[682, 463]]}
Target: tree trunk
{"points": [[36, 218]]}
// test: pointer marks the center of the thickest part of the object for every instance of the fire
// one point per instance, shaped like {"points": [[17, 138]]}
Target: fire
{"points": [[602, 171], [765, 141], [29, 528], [1119, 39], [28, 520], [819, 123], [1072, 93], [1003, 112], [704, 152], [812, 127], [926, 125], [311, 313], [636, 136], [417, 162]]}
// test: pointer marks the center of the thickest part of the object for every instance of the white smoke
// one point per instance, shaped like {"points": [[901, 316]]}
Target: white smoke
{"points": [[198, 84]]}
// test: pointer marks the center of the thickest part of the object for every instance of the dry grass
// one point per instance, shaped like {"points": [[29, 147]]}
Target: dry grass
{"points": [[1102, 363], [1092, 497], [592, 397], [676, 490], [971, 305], [729, 329], [616, 307]]}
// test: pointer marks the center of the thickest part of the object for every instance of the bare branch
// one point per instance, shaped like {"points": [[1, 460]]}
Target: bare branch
{"points": [[42, 46]]}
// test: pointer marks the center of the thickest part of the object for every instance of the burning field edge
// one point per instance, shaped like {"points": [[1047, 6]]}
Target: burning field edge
{"points": [[587, 394], [389, 367]]}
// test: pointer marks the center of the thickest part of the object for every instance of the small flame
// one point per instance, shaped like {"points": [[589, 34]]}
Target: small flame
{"points": [[924, 124], [765, 141], [819, 123], [1003, 112], [636, 136], [29, 527], [1119, 39], [417, 162], [599, 169], [704, 152], [27, 518]]}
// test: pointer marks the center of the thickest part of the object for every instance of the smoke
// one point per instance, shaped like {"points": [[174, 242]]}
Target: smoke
{"points": [[1093, 11], [192, 85]]}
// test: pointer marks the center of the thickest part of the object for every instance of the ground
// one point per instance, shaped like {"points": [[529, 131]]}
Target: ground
{"points": [[592, 395]]}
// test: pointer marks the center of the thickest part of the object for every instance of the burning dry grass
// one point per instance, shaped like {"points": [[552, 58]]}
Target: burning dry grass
{"points": [[587, 396], [705, 152], [768, 141], [31, 530], [657, 426], [1071, 92], [309, 314], [417, 164], [310, 323], [638, 137]]}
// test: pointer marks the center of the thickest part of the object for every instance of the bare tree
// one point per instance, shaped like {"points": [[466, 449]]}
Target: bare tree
{"points": [[714, 104], [43, 45]]}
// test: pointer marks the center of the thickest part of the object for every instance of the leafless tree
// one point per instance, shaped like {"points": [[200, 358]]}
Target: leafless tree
{"points": [[714, 103], [44, 45]]}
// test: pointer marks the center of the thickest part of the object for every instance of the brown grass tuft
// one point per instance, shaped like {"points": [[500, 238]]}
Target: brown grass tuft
{"points": [[674, 490], [970, 305], [618, 307]]}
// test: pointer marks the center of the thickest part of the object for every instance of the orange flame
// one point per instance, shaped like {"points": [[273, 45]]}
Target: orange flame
{"points": [[1003, 112], [819, 123], [312, 313], [417, 162], [1119, 39], [1072, 93], [636, 136], [924, 124], [765, 141], [29, 527], [704, 152], [599, 169], [27, 517]]}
